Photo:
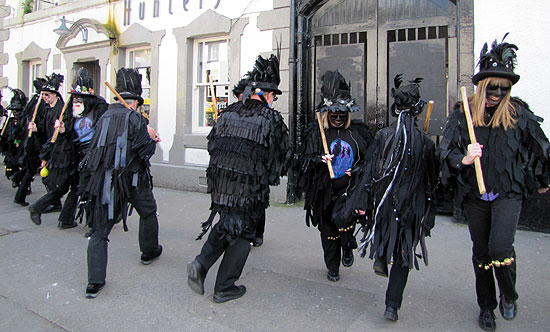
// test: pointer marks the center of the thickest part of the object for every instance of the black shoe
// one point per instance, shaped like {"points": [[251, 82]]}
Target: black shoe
{"points": [[148, 258], [14, 184], [380, 267], [508, 310], [231, 294], [333, 276], [195, 277], [20, 203], [487, 320], [35, 215], [258, 242], [391, 313], [93, 289], [347, 258], [61, 225], [53, 208]]}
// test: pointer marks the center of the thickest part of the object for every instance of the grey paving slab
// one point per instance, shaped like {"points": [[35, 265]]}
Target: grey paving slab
{"points": [[43, 277]]}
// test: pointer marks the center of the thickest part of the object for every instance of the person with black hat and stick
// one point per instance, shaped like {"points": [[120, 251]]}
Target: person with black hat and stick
{"points": [[71, 140], [43, 128], [335, 146], [514, 156], [249, 150], [9, 135], [39, 119], [119, 179], [395, 191]]}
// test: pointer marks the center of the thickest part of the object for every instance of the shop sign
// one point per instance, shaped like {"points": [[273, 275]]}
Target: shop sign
{"points": [[172, 5]]}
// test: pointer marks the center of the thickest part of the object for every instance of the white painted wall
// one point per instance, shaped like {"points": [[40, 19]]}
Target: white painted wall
{"points": [[527, 22]]}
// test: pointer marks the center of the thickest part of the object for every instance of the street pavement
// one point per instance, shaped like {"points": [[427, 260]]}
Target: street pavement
{"points": [[43, 279]]}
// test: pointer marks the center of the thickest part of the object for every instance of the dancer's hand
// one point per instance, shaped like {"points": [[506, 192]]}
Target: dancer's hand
{"points": [[474, 151]]}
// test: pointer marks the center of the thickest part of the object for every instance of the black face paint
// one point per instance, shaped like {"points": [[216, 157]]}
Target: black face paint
{"points": [[337, 119], [494, 94]]}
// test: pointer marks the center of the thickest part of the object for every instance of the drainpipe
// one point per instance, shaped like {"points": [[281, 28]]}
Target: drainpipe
{"points": [[291, 185]]}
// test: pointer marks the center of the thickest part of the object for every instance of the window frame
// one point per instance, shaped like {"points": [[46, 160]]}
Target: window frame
{"points": [[197, 86]]}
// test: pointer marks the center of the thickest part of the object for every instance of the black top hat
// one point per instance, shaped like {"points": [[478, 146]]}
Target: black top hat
{"points": [[265, 74], [52, 83], [18, 101], [406, 97], [128, 84], [336, 94], [38, 83], [83, 84], [499, 62]]}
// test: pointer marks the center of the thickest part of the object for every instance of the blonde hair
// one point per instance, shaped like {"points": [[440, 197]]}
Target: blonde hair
{"points": [[504, 116], [324, 118]]}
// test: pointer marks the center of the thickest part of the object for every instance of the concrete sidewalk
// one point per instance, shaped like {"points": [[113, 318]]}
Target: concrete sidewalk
{"points": [[43, 278]]}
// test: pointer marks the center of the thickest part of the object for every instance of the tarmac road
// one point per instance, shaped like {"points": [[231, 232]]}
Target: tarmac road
{"points": [[43, 278]]}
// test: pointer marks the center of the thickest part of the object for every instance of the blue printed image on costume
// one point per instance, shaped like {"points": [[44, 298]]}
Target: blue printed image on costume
{"points": [[84, 129], [343, 157]]}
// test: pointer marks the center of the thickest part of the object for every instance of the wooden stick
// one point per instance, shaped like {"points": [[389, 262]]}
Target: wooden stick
{"points": [[5, 124], [473, 140], [117, 95], [56, 132], [325, 146], [213, 96], [428, 114], [35, 111]]}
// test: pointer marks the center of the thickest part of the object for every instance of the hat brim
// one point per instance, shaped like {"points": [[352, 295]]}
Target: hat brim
{"points": [[128, 95], [81, 94], [514, 78]]}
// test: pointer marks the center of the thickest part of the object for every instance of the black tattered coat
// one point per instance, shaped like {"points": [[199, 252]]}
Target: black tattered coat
{"points": [[517, 160]]}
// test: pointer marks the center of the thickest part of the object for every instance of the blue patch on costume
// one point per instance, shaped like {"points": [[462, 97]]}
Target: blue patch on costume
{"points": [[342, 161], [84, 129]]}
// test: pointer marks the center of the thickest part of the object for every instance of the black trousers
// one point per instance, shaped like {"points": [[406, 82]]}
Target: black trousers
{"points": [[492, 228], [24, 186], [396, 285], [68, 212], [260, 225], [235, 253], [53, 196], [145, 204], [333, 241]]}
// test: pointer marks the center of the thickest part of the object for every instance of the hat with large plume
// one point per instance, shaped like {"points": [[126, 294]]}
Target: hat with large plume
{"points": [[406, 97], [499, 62], [52, 83], [336, 94], [83, 83], [18, 100], [128, 84]]}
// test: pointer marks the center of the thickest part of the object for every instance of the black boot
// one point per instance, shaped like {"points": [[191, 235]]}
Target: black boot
{"points": [[487, 320], [508, 309], [195, 276], [391, 313]]}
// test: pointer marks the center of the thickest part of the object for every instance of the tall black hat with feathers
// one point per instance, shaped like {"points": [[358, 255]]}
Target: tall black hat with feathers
{"points": [[83, 83], [52, 83], [336, 94], [264, 76], [18, 100], [38, 83], [406, 97], [128, 84], [499, 62]]}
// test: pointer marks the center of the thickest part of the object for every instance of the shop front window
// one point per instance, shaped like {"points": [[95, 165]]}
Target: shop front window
{"points": [[210, 82], [140, 59]]}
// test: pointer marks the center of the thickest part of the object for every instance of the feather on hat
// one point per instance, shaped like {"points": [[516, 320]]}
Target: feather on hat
{"points": [[499, 62]]}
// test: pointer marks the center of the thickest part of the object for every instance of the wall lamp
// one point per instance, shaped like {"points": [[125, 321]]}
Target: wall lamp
{"points": [[63, 30]]}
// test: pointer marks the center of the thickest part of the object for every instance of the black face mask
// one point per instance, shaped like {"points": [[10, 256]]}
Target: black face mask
{"points": [[494, 94], [337, 119]]}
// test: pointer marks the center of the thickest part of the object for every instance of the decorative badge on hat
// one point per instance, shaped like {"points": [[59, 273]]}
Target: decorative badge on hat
{"points": [[335, 94], [499, 62]]}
